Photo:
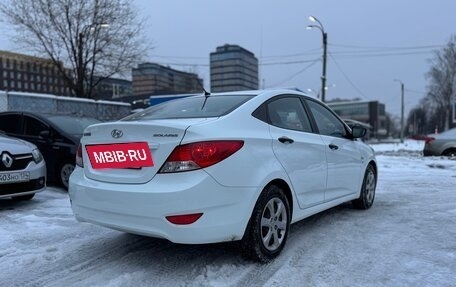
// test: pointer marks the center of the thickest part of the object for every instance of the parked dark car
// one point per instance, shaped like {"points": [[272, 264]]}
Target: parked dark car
{"points": [[56, 136]]}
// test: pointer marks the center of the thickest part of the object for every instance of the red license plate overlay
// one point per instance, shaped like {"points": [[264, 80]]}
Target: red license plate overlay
{"points": [[123, 155]]}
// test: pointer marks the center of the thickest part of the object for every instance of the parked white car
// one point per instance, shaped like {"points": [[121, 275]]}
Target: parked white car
{"points": [[238, 166], [22, 169]]}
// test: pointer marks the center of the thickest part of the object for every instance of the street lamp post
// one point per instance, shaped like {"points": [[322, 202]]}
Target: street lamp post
{"points": [[325, 44], [402, 109]]}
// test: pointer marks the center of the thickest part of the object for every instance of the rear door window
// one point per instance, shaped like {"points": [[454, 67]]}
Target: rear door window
{"points": [[288, 113]]}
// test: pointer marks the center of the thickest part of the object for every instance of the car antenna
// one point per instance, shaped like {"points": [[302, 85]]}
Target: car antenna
{"points": [[206, 93]]}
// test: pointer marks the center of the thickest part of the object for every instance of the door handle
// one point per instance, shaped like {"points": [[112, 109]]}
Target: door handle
{"points": [[286, 140], [333, 147]]}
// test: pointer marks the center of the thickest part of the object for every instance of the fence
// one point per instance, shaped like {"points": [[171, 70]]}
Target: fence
{"points": [[51, 104]]}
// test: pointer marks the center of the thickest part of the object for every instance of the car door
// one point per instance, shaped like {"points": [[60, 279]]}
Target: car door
{"points": [[343, 158], [300, 151], [33, 130]]}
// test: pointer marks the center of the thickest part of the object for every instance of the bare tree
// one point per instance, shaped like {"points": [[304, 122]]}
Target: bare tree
{"points": [[96, 39], [442, 86]]}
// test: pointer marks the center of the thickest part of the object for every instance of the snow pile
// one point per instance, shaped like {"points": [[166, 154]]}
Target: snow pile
{"points": [[408, 147]]}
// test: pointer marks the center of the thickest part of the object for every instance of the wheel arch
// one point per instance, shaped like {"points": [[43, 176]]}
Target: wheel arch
{"points": [[286, 190], [448, 150], [374, 165]]}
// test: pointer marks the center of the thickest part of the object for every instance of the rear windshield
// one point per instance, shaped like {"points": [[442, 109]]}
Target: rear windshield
{"points": [[72, 125], [192, 107]]}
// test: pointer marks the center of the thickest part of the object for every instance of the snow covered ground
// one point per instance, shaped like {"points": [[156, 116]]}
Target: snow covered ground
{"points": [[408, 238]]}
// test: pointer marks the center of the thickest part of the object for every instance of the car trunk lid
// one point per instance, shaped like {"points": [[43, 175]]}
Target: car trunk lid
{"points": [[158, 138]]}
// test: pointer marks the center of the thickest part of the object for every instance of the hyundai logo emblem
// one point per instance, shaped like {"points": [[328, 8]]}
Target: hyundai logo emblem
{"points": [[7, 160], [116, 133]]}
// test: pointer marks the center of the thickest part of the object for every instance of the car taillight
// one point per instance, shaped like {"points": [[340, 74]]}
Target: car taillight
{"points": [[428, 140], [79, 160], [199, 155]]}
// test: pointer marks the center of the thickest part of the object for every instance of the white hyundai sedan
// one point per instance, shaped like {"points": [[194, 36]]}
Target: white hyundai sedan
{"points": [[239, 166]]}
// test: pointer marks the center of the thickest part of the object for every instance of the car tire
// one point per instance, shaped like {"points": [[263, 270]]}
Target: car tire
{"points": [[266, 234], [23, 197], [450, 153], [64, 173], [367, 194]]}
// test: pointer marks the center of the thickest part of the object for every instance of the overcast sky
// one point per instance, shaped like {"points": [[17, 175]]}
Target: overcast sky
{"points": [[370, 42]]}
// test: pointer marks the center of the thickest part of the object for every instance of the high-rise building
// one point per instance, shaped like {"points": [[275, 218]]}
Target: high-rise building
{"points": [[151, 78], [233, 68], [24, 73]]}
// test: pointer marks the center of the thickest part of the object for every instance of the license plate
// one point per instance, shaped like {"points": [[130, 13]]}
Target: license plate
{"points": [[13, 177], [125, 155]]}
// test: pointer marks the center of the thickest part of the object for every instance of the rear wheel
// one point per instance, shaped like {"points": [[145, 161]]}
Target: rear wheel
{"points": [[450, 153], [367, 195], [65, 171], [268, 228]]}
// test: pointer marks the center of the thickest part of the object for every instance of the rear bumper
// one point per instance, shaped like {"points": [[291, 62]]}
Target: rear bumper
{"points": [[142, 208]]}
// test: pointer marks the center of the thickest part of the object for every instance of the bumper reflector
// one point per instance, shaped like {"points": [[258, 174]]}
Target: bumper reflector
{"points": [[184, 219]]}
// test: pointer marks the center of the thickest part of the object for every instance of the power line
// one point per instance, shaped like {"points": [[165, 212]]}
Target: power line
{"points": [[355, 52], [347, 78], [290, 62], [352, 55], [260, 64], [389, 47], [416, 92], [295, 74]]}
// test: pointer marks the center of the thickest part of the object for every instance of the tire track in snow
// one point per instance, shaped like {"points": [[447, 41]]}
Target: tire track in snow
{"points": [[80, 259]]}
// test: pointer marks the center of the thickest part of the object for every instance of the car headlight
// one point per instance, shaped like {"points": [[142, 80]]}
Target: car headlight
{"points": [[37, 156]]}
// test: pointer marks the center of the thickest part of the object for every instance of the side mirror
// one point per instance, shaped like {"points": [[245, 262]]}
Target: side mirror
{"points": [[358, 131], [44, 134]]}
